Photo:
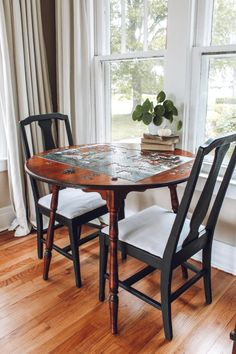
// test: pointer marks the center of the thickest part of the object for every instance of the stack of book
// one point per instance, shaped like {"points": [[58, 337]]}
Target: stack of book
{"points": [[159, 143]]}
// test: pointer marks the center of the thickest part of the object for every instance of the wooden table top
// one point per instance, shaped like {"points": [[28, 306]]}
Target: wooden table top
{"points": [[110, 166]]}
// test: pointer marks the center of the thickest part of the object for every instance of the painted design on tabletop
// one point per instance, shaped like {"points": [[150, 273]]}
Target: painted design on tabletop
{"points": [[118, 161]]}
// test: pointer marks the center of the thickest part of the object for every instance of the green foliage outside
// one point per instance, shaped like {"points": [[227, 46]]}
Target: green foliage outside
{"points": [[133, 78], [123, 127], [224, 24], [221, 110]]}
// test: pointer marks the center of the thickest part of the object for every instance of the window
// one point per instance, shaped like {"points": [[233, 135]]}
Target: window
{"points": [[217, 49], [132, 61]]}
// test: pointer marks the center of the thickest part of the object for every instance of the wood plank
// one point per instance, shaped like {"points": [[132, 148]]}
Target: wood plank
{"points": [[55, 317]]}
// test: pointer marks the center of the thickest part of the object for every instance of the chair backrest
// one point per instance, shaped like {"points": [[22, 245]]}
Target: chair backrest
{"points": [[46, 123], [203, 210]]}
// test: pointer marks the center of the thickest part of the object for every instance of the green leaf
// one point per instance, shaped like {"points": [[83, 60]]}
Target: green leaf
{"points": [[139, 109], [179, 125], [147, 105], [140, 118], [159, 110], [147, 118], [174, 111], [168, 105], [135, 115], [161, 97], [169, 116], [157, 120]]}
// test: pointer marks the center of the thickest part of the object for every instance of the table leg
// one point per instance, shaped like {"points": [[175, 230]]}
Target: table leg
{"points": [[50, 231], [114, 202]]}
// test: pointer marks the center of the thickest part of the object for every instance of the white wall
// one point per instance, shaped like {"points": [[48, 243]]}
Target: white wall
{"points": [[6, 211], [4, 190]]}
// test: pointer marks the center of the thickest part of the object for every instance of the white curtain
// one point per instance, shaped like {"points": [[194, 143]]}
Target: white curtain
{"points": [[75, 53], [24, 89]]}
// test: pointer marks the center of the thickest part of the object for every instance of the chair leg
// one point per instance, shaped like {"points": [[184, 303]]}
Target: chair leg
{"points": [[39, 221], [74, 233], [102, 267], [184, 272], [123, 253], [166, 304], [206, 261]]}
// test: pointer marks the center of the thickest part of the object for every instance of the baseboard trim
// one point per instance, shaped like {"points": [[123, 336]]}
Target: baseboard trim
{"points": [[6, 217], [223, 257]]}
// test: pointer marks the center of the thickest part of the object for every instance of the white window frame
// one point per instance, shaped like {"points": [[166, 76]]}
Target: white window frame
{"points": [[176, 60], [103, 60], [201, 48], [198, 101]]}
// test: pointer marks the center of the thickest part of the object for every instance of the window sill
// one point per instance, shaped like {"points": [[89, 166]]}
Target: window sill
{"points": [[3, 164]]}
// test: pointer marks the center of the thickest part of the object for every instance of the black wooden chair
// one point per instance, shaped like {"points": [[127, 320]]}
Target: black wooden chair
{"points": [[75, 207], [233, 337], [165, 241]]}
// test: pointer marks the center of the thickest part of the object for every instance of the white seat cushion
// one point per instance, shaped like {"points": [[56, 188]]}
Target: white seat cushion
{"points": [[149, 229], [74, 202]]}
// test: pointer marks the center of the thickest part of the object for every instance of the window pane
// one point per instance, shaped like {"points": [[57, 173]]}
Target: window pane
{"points": [[137, 25], [132, 81], [224, 22], [221, 97], [221, 102]]}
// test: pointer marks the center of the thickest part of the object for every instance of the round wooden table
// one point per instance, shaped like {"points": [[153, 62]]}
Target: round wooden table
{"points": [[113, 170]]}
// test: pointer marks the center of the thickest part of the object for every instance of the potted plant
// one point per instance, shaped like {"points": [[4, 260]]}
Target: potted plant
{"points": [[156, 115]]}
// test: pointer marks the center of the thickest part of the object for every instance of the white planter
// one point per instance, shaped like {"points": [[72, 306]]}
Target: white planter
{"points": [[153, 129]]}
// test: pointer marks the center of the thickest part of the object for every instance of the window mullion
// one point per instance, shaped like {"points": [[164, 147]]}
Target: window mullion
{"points": [[219, 49], [180, 36], [203, 98], [133, 55]]}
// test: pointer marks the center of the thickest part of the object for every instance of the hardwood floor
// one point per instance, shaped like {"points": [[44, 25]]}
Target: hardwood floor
{"points": [[53, 316]]}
